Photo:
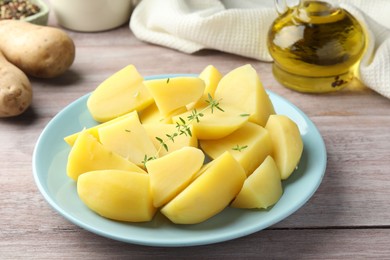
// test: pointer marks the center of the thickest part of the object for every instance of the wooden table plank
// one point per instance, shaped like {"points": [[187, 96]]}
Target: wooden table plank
{"points": [[348, 217], [268, 244]]}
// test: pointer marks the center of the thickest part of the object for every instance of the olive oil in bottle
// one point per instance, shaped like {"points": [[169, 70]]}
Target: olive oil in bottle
{"points": [[315, 46]]}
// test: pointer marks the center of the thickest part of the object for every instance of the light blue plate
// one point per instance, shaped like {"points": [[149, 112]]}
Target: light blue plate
{"points": [[49, 168]]}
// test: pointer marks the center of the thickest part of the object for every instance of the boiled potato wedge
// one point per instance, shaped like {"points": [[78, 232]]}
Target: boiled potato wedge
{"points": [[249, 145], [129, 139], [171, 94], [262, 189], [213, 124], [148, 159], [94, 130], [242, 88], [87, 154], [151, 114], [118, 195], [209, 194], [287, 143], [211, 76], [171, 174], [121, 93], [158, 132]]}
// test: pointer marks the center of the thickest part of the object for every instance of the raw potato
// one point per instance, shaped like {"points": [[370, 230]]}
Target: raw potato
{"points": [[15, 89], [39, 51]]}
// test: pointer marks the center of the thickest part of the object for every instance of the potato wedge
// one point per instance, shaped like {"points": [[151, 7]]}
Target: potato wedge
{"points": [[87, 154], [171, 174], [160, 131], [287, 143], [261, 189], [116, 194], [171, 94], [121, 93], [209, 194], [249, 145], [129, 139], [242, 88]]}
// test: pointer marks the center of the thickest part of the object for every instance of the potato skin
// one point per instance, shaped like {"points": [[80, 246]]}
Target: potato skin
{"points": [[15, 89], [39, 51]]}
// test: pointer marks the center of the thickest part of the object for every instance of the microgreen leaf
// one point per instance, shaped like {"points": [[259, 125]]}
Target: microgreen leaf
{"points": [[162, 143], [239, 148], [147, 159], [213, 103]]}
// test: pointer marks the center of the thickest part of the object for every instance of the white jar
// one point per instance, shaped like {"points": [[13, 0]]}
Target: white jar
{"points": [[92, 15]]}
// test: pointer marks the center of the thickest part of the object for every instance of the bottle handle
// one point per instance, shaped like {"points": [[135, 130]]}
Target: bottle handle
{"points": [[283, 5]]}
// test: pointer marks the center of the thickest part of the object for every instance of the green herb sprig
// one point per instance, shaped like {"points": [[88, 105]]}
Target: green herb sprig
{"points": [[239, 148], [183, 127]]}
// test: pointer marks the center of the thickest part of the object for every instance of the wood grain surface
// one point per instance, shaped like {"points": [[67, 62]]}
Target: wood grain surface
{"points": [[347, 218]]}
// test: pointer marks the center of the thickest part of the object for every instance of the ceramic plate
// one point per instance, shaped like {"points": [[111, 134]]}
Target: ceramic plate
{"points": [[49, 169]]}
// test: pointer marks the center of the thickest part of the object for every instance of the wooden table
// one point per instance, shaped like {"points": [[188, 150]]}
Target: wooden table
{"points": [[348, 217]]}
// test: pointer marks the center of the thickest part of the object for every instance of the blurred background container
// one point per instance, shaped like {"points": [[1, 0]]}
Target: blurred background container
{"points": [[92, 15]]}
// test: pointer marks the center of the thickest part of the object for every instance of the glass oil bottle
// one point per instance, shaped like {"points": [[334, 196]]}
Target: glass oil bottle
{"points": [[315, 46]]}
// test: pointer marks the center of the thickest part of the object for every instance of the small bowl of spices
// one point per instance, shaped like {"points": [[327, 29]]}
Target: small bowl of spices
{"points": [[33, 11]]}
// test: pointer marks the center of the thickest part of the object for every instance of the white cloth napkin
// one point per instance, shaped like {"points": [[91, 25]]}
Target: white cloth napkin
{"points": [[241, 27]]}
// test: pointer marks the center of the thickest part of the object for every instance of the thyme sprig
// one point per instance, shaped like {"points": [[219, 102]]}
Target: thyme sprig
{"points": [[239, 148], [213, 103], [147, 159], [183, 127]]}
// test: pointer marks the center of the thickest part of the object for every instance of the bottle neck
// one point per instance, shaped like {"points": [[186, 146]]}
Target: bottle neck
{"points": [[315, 11], [328, 3]]}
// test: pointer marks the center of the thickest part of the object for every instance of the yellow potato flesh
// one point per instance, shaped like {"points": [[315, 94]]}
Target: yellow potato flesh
{"points": [[173, 93], [240, 141], [70, 139], [211, 76], [287, 143], [170, 174], [161, 131], [243, 89], [118, 195], [87, 154], [261, 189], [214, 124], [209, 194], [249, 145], [121, 93], [151, 114], [129, 139]]}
